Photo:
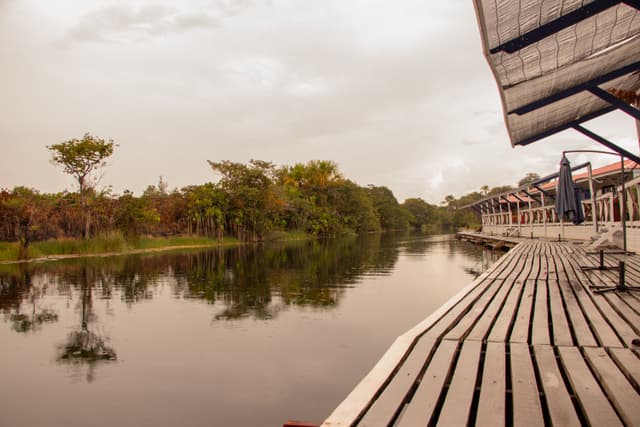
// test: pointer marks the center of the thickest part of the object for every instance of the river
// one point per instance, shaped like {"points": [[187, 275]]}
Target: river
{"points": [[244, 336]]}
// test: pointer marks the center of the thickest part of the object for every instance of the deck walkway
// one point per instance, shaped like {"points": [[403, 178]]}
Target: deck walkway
{"points": [[528, 343]]}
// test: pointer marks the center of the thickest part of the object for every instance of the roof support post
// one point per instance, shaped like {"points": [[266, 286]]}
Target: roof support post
{"points": [[530, 216], [607, 143], [606, 96]]}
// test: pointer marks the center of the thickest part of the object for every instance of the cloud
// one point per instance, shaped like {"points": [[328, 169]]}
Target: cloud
{"points": [[126, 23]]}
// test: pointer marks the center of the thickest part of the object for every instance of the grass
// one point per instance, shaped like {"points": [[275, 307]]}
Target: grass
{"points": [[109, 243]]}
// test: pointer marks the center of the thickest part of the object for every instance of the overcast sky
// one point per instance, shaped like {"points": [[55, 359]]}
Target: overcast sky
{"points": [[397, 93]]}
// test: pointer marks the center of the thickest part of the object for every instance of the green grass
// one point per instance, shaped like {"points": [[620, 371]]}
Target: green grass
{"points": [[113, 242], [9, 251], [161, 242]]}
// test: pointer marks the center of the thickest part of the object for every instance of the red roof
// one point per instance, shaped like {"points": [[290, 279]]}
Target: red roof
{"points": [[607, 170]]}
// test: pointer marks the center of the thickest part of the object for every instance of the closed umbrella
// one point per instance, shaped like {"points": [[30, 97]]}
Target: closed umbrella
{"points": [[566, 201]]}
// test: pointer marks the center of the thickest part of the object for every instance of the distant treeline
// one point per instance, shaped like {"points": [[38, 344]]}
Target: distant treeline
{"points": [[249, 201]]}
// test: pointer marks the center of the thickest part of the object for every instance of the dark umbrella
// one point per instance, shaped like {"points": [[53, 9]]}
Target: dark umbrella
{"points": [[566, 201]]}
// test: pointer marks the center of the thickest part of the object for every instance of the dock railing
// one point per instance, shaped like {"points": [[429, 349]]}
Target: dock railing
{"points": [[533, 218]]}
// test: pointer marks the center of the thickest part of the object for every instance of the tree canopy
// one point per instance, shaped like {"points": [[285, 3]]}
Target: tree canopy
{"points": [[80, 157]]}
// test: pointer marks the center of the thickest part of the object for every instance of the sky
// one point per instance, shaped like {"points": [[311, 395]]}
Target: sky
{"points": [[396, 93]]}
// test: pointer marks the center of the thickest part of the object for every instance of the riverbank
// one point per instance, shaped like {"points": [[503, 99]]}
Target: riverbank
{"points": [[115, 244]]}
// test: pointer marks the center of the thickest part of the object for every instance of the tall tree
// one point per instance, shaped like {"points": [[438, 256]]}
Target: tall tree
{"points": [[79, 158], [528, 179]]}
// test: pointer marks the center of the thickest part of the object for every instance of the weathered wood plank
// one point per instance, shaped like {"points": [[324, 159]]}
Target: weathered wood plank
{"points": [[482, 326], [556, 395], [457, 404], [619, 325], [383, 410], [520, 332], [540, 330], [492, 403], [559, 322], [593, 402], [500, 329], [579, 323], [527, 410], [457, 312], [603, 331], [420, 409], [621, 394], [475, 312], [628, 362]]}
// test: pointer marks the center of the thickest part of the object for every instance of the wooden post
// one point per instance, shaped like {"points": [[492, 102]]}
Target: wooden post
{"points": [[530, 211], [518, 212], [544, 214], [594, 215]]}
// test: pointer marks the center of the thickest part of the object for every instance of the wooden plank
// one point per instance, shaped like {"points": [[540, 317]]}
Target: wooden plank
{"points": [[547, 267], [579, 324], [628, 298], [618, 323], [621, 394], [457, 404], [391, 400], [556, 395], [527, 410], [592, 401], [457, 312], [491, 406], [628, 362], [559, 322], [500, 328], [520, 332], [601, 328], [475, 312], [420, 409], [482, 326], [540, 328], [629, 321], [505, 265]]}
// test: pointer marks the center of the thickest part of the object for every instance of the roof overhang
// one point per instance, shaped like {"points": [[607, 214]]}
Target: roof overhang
{"points": [[555, 61]]}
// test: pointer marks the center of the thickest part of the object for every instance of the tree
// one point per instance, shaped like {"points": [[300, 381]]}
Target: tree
{"points": [[528, 179], [484, 189], [79, 158]]}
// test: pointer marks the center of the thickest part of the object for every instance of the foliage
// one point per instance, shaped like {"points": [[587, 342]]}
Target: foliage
{"points": [[79, 158], [255, 201], [528, 179]]}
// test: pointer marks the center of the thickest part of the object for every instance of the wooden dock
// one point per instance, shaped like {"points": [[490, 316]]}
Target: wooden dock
{"points": [[528, 343]]}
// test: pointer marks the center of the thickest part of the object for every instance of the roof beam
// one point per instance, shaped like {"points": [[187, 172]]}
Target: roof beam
{"points": [[623, 71], [532, 196], [554, 26], [607, 143], [566, 126], [516, 196], [606, 96], [545, 192]]}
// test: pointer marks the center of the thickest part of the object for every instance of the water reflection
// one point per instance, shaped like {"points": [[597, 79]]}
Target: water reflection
{"points": [[257, 282], [85, 347]]}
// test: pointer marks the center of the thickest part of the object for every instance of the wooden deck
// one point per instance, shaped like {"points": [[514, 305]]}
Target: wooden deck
{"points": [[528, 343]]}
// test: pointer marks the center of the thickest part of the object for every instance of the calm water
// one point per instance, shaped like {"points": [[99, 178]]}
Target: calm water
{"points": [[247, 336]]}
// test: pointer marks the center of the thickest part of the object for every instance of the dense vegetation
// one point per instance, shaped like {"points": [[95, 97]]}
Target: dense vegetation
{"points": [[249, 202]]}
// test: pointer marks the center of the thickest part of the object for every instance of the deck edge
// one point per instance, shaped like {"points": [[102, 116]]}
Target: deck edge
{"points": [[348, 411]]}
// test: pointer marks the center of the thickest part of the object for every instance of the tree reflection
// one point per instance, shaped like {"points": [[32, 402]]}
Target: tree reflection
{"points": [[85, 346], [17, 288]]}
